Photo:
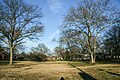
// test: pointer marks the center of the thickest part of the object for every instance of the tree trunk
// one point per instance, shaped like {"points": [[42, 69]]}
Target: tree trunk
{"points": [[94, 51], [92, 58], [11, 55]]}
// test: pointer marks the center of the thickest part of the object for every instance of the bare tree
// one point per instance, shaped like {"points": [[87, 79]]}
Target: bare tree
{"points": [[69, 40], [112, 41], [59, 51], [90, 18], [41, 49], [18, 21], [39, 53]]}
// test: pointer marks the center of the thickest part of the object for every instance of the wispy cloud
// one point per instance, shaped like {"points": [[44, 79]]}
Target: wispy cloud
{"points": [[52, 36], [55, 5]]}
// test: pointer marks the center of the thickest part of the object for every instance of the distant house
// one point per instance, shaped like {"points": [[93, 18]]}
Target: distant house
{"points": [[107, 56], [75, 57], [81, 57], [54, 58]]}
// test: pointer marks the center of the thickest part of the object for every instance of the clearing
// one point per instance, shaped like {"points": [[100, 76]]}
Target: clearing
{"points": [[57, 70]]}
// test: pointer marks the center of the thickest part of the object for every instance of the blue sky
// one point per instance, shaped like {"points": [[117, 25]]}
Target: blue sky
{"points": [[54, 11]]}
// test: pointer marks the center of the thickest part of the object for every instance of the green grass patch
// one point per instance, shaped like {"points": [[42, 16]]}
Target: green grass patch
{"points": [[108, 62], [4, 63], [81, 63]]}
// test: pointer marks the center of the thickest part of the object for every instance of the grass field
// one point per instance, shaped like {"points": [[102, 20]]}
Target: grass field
{"points": [[57, 70]]}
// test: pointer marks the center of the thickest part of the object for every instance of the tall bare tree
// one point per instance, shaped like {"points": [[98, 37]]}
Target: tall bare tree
{"points": [[90, 18], [112, 41], [69, 39], [41, 49], [18, 21]]}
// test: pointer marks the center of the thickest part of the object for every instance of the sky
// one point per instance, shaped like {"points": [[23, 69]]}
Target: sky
{"points": [[54, 11]]}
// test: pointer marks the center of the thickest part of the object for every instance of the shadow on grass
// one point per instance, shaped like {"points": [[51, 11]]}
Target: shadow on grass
{"points": [[84, 75], [109, 62], [113, 73], [5, 63], [109, 72], [23, 65], [28, 68]]}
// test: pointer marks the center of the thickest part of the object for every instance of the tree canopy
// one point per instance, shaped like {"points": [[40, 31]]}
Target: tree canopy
{"points": [[18, 21], [88, 19]]}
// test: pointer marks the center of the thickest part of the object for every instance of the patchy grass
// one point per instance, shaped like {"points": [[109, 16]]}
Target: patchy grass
{"points": [[100, 70], [4, 63], [52, 70], [81, 63], [55, 70]]}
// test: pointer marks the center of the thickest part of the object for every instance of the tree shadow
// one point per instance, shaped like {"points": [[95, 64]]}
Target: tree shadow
{"points": [[100, 69], [2, 63], [109, 72], [84, 75], [113, 73], [22, 65], [27, 68], [109, 62]]}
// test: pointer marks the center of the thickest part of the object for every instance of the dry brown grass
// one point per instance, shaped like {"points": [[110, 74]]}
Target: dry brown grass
{"points": [[54, 70], [39, 71]]}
